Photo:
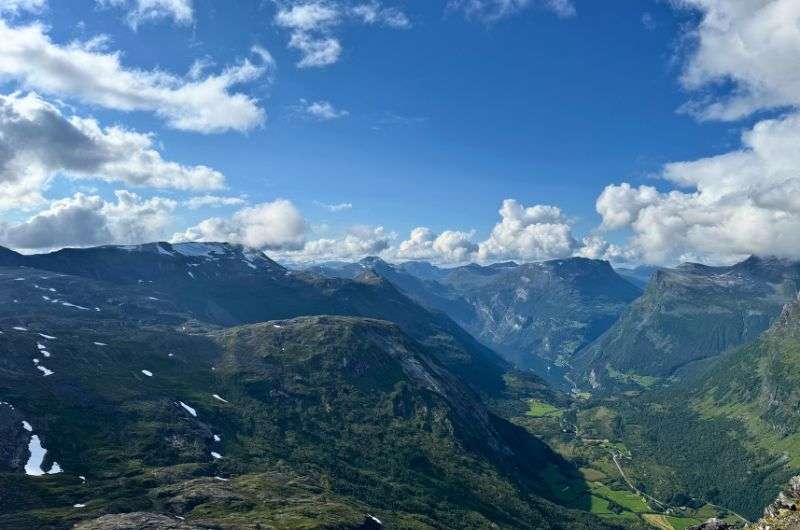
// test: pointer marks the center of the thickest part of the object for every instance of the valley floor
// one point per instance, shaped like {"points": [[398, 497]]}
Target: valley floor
{"points": [[609, 482]]}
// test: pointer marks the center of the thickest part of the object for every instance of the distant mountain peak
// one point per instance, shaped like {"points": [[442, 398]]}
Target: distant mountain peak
{"points": [[373, 261]]}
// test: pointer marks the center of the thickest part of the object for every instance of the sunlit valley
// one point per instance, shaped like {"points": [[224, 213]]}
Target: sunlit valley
{"points": [[394, 264]]}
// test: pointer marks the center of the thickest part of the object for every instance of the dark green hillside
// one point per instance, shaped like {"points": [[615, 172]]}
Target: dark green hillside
{"points": [[728, 432], [318, 421], [691, 313], [229, 285]]}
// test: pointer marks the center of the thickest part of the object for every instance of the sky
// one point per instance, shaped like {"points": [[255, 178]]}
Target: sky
{"points": [[637, 131]]}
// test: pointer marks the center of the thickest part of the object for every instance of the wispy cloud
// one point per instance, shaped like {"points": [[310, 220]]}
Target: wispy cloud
{"points": [[494, 10], [340, 207], [212, 201], [17, 7], [313, 23], [321, 110], [141, 11]]}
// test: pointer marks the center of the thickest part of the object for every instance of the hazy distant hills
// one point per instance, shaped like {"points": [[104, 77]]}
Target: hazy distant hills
{"points": [[691, 313], [544, 310], [639, 276]]}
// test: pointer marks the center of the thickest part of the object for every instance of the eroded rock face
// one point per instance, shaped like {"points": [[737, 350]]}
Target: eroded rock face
{"points": [[783, 513], [136, 521], [13, 439]]}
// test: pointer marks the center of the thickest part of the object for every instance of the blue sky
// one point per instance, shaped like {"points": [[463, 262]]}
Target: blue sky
{"points": [[430, 119]]}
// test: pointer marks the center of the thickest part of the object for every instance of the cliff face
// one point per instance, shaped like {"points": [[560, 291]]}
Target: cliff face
{"points": [[782, 514]]}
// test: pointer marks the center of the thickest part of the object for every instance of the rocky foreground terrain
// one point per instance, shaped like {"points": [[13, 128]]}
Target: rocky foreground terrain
{"points": [[783, 514]]}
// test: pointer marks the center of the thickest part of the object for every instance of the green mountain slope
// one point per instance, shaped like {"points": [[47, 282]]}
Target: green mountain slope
{"points": [[315, 422], [728, 431], [691, 313]]}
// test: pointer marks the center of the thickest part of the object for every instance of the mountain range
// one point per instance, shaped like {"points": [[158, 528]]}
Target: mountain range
{"points": [[537, 315], [181, 386], [204, 385]]}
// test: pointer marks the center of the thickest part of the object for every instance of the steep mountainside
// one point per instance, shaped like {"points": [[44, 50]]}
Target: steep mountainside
{"points": [[691, 313], [228, 285], [526, 312], [120, 409], [549, 309], [728, 431], [760, 383]]}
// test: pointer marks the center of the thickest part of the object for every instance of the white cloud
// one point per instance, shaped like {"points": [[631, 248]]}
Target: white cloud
{"points": [[37, 142], [276, 225], [141, 11], [738, 203], [360, 241], [620, 205], [86, 220], [534, 233], [16, 7], [315, 51], [748, 43], [312, 24], [212, 201], [374, 13], [495, 10], [451, 246], [84, 71], [312, 16], [340, 207], [595, 247], [742, 202], [322, 110]]}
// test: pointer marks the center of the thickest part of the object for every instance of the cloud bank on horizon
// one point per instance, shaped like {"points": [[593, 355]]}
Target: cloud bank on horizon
{"points": [[65, 102]]}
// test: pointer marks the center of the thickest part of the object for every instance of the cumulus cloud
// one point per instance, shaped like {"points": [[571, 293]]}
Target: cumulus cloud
{"points": [[742, 202], [86, 220], [37, 142], [451, 246], [534, 233], [620, 205], [322, 110], [312, 24], [595, 246], [748, 44], [276, 225], [358, 242], [738, 203], [86, 72], [495, 10], [212, 201], [141, 11], [16, 7]]}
